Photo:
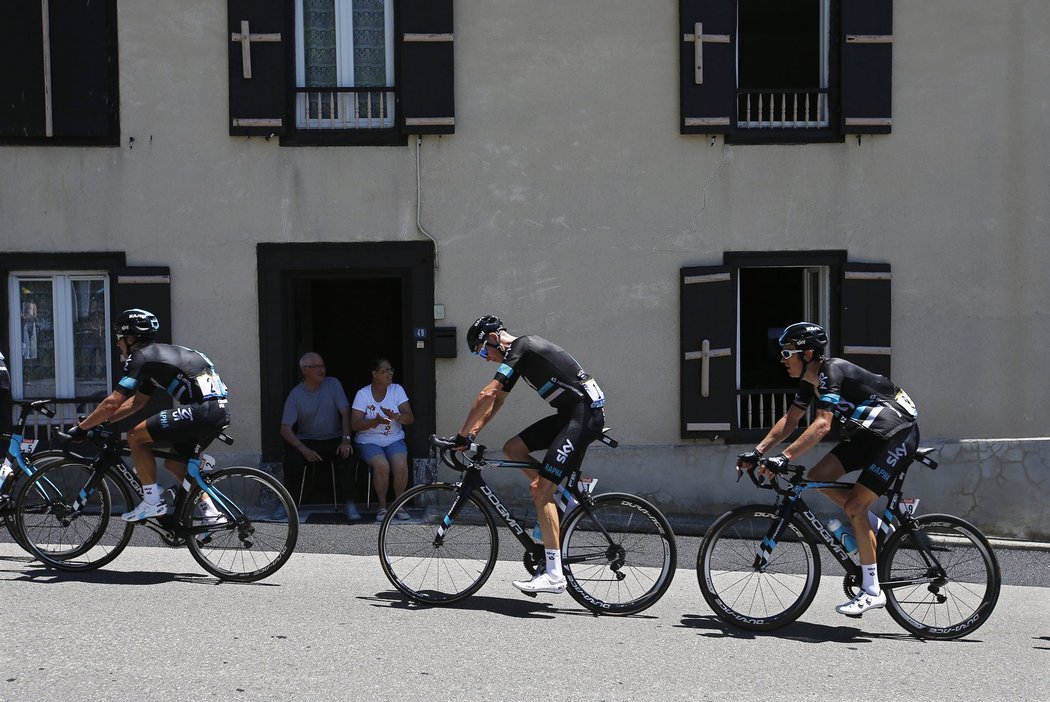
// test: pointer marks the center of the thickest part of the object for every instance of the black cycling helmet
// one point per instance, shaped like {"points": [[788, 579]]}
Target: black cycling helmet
{"points": [[805, 335], [481, 328], [137, 323]]}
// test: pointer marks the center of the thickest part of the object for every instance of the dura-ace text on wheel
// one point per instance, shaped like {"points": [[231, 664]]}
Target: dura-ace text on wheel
{"points": [[757, 598], [619, 556], [947, 598], [432, 564]]}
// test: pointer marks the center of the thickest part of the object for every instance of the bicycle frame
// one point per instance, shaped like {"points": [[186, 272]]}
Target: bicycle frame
{"points": [[473, 482], [112, 456], [14, 447], [790, 502]]}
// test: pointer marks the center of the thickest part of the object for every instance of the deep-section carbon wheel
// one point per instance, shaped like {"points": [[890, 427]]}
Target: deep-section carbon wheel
{"points": [[431, 561], [241, 535], [620, 557], [942, 580], [69, 524], [746, 592]]}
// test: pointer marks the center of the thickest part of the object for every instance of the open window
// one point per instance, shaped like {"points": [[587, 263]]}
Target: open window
{"points": [[785, 70], [732, 384]]}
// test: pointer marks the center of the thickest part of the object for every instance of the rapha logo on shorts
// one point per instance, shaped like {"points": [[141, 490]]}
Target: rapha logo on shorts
{"points": [[564, 451]]}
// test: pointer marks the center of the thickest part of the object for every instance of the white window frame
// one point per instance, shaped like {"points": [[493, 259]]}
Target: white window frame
{"points": [[65, 377], [344, 62]]}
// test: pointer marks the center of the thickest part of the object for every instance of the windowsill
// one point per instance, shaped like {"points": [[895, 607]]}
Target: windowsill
{"points": [[345, 137], [784, 136], [59, 141]]}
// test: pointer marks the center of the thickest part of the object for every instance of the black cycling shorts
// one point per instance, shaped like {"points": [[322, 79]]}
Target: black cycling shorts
{"points": [[566, 436], [189, 425], [879, 460]]}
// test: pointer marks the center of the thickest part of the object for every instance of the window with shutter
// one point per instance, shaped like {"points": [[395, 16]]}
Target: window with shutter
{"points": [[363, 72], [732, 383], [65, 89], [785, 71]]}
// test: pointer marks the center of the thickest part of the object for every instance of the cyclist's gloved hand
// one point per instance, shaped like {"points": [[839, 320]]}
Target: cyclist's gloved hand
{"points": [[75, 433], [462, 442], [748, 459], [776, 464]]}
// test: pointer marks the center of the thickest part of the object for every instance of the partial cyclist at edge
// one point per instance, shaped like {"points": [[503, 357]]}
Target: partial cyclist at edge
{"points": [[558, 378], [185, 374], [878, 421]]}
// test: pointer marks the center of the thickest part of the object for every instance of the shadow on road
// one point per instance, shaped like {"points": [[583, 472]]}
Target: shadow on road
{"points": [[518, 608], [803, 632], [37, 573]]}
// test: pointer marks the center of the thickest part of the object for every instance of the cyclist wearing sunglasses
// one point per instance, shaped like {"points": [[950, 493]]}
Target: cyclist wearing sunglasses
{"points": [[188, 376], [878, 421], [558, 378]]}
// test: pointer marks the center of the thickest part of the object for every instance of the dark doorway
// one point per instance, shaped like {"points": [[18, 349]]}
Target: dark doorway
{"points": [[351, 303], [350, 322]]}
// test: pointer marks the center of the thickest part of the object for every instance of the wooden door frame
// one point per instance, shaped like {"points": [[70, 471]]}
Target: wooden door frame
{"points": [[278, 264]]}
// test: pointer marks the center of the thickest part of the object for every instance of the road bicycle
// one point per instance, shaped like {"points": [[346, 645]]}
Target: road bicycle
{"points": [[23, 463], [618, 551], [226, 517], [759, 568]]}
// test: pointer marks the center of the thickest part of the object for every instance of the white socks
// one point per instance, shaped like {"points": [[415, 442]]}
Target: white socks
{"points": [[554, 563], [151, 493], [870, 582]]}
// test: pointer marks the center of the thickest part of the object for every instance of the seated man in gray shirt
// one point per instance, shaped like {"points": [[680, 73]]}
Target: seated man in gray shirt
{"points": [[320, 413]]}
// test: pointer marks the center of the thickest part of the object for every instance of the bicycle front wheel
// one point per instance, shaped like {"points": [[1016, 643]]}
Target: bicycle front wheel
{"points": [[619, 557], [432, 560], [941, 578], [242, 535], [748, 587], [69, 516]]}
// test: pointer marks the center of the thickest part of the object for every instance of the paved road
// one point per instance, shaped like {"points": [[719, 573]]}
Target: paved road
{"points": [[329, 626]]}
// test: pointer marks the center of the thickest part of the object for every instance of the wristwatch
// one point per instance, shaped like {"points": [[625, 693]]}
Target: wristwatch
{"points": [[348, 438]]}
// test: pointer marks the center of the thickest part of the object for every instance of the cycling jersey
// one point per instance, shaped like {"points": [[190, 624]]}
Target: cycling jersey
{"points": [[187, 375], [549, 370], [5, 376], [859, 399]]}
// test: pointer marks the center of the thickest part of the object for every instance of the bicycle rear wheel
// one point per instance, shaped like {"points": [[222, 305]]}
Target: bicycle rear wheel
{"points": [[749, 594], [433, 561], [620, 557], [254, 543], [69, 527], [941, 578]]}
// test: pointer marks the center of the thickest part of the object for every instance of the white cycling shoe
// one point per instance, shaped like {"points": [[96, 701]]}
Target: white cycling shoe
{"points": [[541, 582], [146, 511], [862, 603]]}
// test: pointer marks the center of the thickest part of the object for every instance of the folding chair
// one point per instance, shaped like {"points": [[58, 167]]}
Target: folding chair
{"points": [[314, 466]]}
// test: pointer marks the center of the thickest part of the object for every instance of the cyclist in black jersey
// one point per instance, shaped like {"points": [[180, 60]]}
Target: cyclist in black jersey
{"points": [[878, 420], [558, 378], [189, 377]]}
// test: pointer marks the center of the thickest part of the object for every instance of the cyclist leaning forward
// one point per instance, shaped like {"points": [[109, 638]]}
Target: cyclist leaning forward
{"points": [[189, 377], [559, 379], [878, 420]]}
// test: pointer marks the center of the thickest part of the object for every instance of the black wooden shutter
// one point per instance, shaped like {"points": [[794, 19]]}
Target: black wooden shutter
{"points": [[77, 86], [22, 79], [708, 368], [258, 84], [426, 78], [148, 288], [865, 318], [707, 50], [84, 68], [867, 66]]}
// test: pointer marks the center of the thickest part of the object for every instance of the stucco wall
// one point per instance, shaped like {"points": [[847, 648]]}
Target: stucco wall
{"points": [[567, 202]]}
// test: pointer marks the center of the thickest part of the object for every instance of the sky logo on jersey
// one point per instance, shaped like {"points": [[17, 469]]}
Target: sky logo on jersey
{"points": [[564, 451]]}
